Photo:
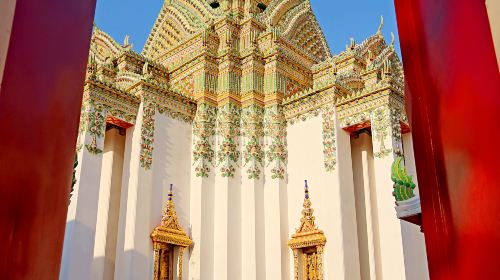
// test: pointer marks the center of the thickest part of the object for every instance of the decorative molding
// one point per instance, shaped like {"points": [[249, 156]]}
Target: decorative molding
{"points": [[329, 140], [147, 134], [381, 123], [204, 132], [276, 147], [253, 133], [92, 122], [228, 132]]}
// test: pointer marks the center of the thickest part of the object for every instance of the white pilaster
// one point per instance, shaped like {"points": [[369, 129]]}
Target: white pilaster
{"points": [[202, 221], [227, 211], [172, 165], [109, 205], [362, 158], [276, 236], [386, 136], [201, 262], [275, 195], [252, 194], [79, 237], [135, 247], [341, 250]]}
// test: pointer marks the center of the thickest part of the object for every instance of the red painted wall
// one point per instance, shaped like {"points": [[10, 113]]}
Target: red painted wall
{"points": [[453, 92], [40, 101]]}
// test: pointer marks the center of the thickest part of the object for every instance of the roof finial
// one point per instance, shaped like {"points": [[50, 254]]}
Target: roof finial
{"points": [[352, 43], [306, 190], [392, 40], [170, 192], [125, 41], [379, 31]]}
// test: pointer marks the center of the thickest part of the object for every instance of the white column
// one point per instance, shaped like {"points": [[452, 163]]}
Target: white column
{"points": [[201, 262], [362, 157], [109, 205], [275, 196], [134, 248], [79, 237], [386, 136], [202, 221], [341, 250], [227, 211], [252, 232], [252, 195]]}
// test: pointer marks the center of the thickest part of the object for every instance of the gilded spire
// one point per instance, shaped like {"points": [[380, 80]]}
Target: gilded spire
{"points": [[126, 40], [169, 218], [170, 230], [379, 31], [308, 234], [307, 220]]}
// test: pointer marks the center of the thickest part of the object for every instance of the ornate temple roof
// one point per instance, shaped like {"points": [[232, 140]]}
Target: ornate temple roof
{"points": [[178, 19], [293, 19]]}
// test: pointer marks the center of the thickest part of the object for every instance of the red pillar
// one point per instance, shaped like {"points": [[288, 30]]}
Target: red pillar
{"points": [[40, 101], [453, 92]]}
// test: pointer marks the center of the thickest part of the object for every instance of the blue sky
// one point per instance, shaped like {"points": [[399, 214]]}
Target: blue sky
{"points": [[340, 20]]}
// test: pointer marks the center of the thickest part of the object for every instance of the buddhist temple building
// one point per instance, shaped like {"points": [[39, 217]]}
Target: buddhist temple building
{"points": [[236, 103]]}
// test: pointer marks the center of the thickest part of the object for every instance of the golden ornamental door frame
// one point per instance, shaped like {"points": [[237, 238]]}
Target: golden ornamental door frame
{"points": [[167, 237], [308, 244]]}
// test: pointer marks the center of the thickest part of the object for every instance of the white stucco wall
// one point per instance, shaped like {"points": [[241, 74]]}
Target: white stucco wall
{"points": [[144, 193], [81, 220], [362, 164], [133, 243], [240, 226], [171, 165], [332, 196], [103, 265]]}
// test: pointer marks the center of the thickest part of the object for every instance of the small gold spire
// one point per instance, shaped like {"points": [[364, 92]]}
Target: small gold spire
{"points": [[308, 237], [379, 31], [170, 231], [126, 41], [392, 40], [307, 223]]}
